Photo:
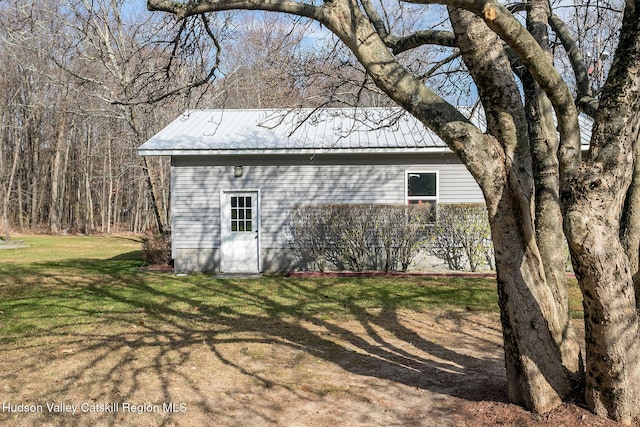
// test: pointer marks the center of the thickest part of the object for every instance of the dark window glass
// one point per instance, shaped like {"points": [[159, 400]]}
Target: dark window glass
{"points": [[241, 214], [421, 184]]}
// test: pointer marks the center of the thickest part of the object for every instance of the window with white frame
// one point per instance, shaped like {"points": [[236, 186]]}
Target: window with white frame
{"points": [[422, 189]]}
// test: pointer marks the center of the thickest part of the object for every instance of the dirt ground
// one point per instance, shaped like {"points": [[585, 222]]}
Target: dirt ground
{"points": [[386, 369]]}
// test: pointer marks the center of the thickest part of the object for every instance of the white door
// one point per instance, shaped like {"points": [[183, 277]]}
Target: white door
{"points": [[239, 249]]}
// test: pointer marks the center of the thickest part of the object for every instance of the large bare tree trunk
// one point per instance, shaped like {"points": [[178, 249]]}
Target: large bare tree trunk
{"points": [[544, 144], [533, 330], [592, 224], [548, 225], [630, 223], [611, 320], [536, 377], [535, 374]]}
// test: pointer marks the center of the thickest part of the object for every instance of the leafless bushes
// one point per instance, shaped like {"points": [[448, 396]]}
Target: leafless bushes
{"points": [[156, 249], [357, 237], [461, 237], [389, 237]]}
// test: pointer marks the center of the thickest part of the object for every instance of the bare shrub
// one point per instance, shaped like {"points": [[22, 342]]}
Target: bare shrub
{"points": [[156, 248], [461, 237], [308, 229], [356, 237]]}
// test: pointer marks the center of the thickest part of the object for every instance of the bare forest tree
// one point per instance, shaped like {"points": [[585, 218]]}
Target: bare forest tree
{"points": [[591, 201], [262, 70], [271, 61], [83, 84]]}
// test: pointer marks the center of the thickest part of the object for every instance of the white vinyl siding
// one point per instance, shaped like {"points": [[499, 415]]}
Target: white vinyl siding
{"points": [[197, 181]]}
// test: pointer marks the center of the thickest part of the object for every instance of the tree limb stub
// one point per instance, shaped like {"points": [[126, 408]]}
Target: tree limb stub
{"points": [[490, 13]]}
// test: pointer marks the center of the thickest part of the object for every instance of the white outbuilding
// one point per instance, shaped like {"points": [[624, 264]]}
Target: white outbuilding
{"points": [[236, 175]]}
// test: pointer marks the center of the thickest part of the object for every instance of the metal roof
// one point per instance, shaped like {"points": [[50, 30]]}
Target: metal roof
{"points": [[291, 132], [277, 131]]}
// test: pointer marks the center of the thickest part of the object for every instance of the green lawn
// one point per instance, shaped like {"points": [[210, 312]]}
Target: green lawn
{"points": [[73, 284]]}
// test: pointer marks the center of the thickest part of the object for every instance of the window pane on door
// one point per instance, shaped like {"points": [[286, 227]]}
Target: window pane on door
{"points": [[241, 214]]}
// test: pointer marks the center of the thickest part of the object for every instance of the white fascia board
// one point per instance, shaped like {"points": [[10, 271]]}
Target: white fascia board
{"points": [[155, 152]]}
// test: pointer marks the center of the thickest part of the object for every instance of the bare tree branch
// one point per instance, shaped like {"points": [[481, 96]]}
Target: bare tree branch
{"points": [[189, 86], [585, 99], [421, 38], [375, 19], [440, 64], [182, 9]]}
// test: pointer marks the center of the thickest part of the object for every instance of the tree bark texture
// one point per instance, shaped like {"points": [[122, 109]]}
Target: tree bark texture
{"points": [[536, 377], [544, 144], [592, 224], [548, 225], [630, 223], [532, 328]]}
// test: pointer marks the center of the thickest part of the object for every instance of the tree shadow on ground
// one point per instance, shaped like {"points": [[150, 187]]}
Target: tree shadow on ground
{"points": [[150, 332], [381, 345]]}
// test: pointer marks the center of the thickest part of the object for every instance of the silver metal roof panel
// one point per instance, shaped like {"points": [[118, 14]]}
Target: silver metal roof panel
{"points": [[278, 131], [241, 131]]}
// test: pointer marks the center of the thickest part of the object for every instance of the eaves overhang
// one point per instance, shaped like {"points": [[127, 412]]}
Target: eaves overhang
{"points": [[278, 152]]}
